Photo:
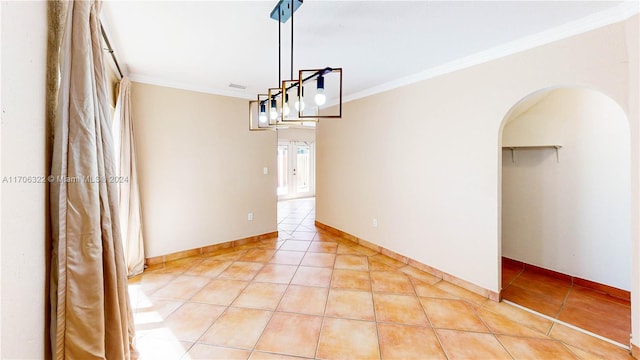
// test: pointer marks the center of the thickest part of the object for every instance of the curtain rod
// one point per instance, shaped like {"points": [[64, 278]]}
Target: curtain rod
{"points": [[110, 49]]}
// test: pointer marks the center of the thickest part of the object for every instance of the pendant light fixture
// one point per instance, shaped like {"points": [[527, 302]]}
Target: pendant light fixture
{"points": [[316, 93]]}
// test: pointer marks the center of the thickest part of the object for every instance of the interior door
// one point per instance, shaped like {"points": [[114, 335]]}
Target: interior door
{"points": [[296, 169]]}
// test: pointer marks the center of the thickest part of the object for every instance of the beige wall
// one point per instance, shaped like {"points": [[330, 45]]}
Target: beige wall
{"points": [[299, 134], [425, 159], [201, 170], [24, 42], [569, 211]]}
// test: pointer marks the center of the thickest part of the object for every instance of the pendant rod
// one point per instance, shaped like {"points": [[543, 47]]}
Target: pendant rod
{"points": [[279, 49], [292, 13]]}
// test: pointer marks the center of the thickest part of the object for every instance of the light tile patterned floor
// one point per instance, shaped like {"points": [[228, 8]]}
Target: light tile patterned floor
{"points": [[308, 294]]}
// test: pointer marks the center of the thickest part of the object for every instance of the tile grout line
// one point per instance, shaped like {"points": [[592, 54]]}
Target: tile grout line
{"points": [[183, 302], [424, 310], [289, 286], [249, 282], [564, 301], [225, 310], [375, 313], [326, 302], [513, 280], [495, 336], [570, 291], [324, 316], [253, 350], [501, 344], [556, 321]]}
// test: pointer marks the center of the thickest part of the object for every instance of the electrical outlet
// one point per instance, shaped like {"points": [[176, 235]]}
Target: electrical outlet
{"points": [[250, 216], [374, 223], [265, 170]]}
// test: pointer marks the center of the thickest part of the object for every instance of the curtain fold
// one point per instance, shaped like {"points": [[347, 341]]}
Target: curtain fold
{"points": [[91, 313], [129, 201]]}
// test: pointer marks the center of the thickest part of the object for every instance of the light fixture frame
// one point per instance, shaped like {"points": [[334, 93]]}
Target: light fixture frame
{"points": [[283, 11], [256, 104], [322, 72], [286, 85], [264, 98], [275, 94]]}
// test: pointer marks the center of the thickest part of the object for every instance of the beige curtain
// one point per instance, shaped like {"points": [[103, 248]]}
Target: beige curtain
{"points": [[129, 204], [91, 314]]}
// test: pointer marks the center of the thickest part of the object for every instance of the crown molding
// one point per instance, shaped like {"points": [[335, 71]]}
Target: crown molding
{"points": [[594, 21], [191, 87]]}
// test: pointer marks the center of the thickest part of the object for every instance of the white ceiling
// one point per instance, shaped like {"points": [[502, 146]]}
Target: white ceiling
{"points": [[206, 45]]}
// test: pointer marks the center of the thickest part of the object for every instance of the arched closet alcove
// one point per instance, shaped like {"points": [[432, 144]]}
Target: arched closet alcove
{"points": [[566, 209]]}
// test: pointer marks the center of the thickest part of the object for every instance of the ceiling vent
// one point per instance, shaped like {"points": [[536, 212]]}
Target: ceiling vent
{"points": [[236, 86]]}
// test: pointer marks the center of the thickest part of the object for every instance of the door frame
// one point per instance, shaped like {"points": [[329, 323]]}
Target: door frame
{"points": [[292, 166]]}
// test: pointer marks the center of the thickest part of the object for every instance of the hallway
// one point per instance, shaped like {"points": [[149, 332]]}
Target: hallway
{"points": [[310, 294]]}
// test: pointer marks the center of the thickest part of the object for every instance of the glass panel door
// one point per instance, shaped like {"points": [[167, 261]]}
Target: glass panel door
{"points": [[296, 169], [302, 171], [283, 169]]}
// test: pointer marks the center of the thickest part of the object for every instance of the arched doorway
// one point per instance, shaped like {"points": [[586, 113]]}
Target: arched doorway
{"points": [[565, 218]]}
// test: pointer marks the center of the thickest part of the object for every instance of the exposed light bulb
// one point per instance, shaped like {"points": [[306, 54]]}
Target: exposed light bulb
{"points": [[320, 97], [285, 108], [299, 100], [262, 117], [273, 112]]}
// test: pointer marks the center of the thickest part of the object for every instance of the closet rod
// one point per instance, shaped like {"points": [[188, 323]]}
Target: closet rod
{"points": [[110, 49]]}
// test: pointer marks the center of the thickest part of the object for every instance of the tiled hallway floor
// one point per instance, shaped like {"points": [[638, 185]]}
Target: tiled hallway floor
{"points": [[587, 309], [308, 294]]}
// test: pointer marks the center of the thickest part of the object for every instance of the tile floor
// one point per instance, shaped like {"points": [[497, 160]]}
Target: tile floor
{"points": [[308, 294], [587, 309]]}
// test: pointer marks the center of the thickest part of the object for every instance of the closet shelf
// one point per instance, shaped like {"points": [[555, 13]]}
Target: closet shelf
{"points": [[532, 147]]}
